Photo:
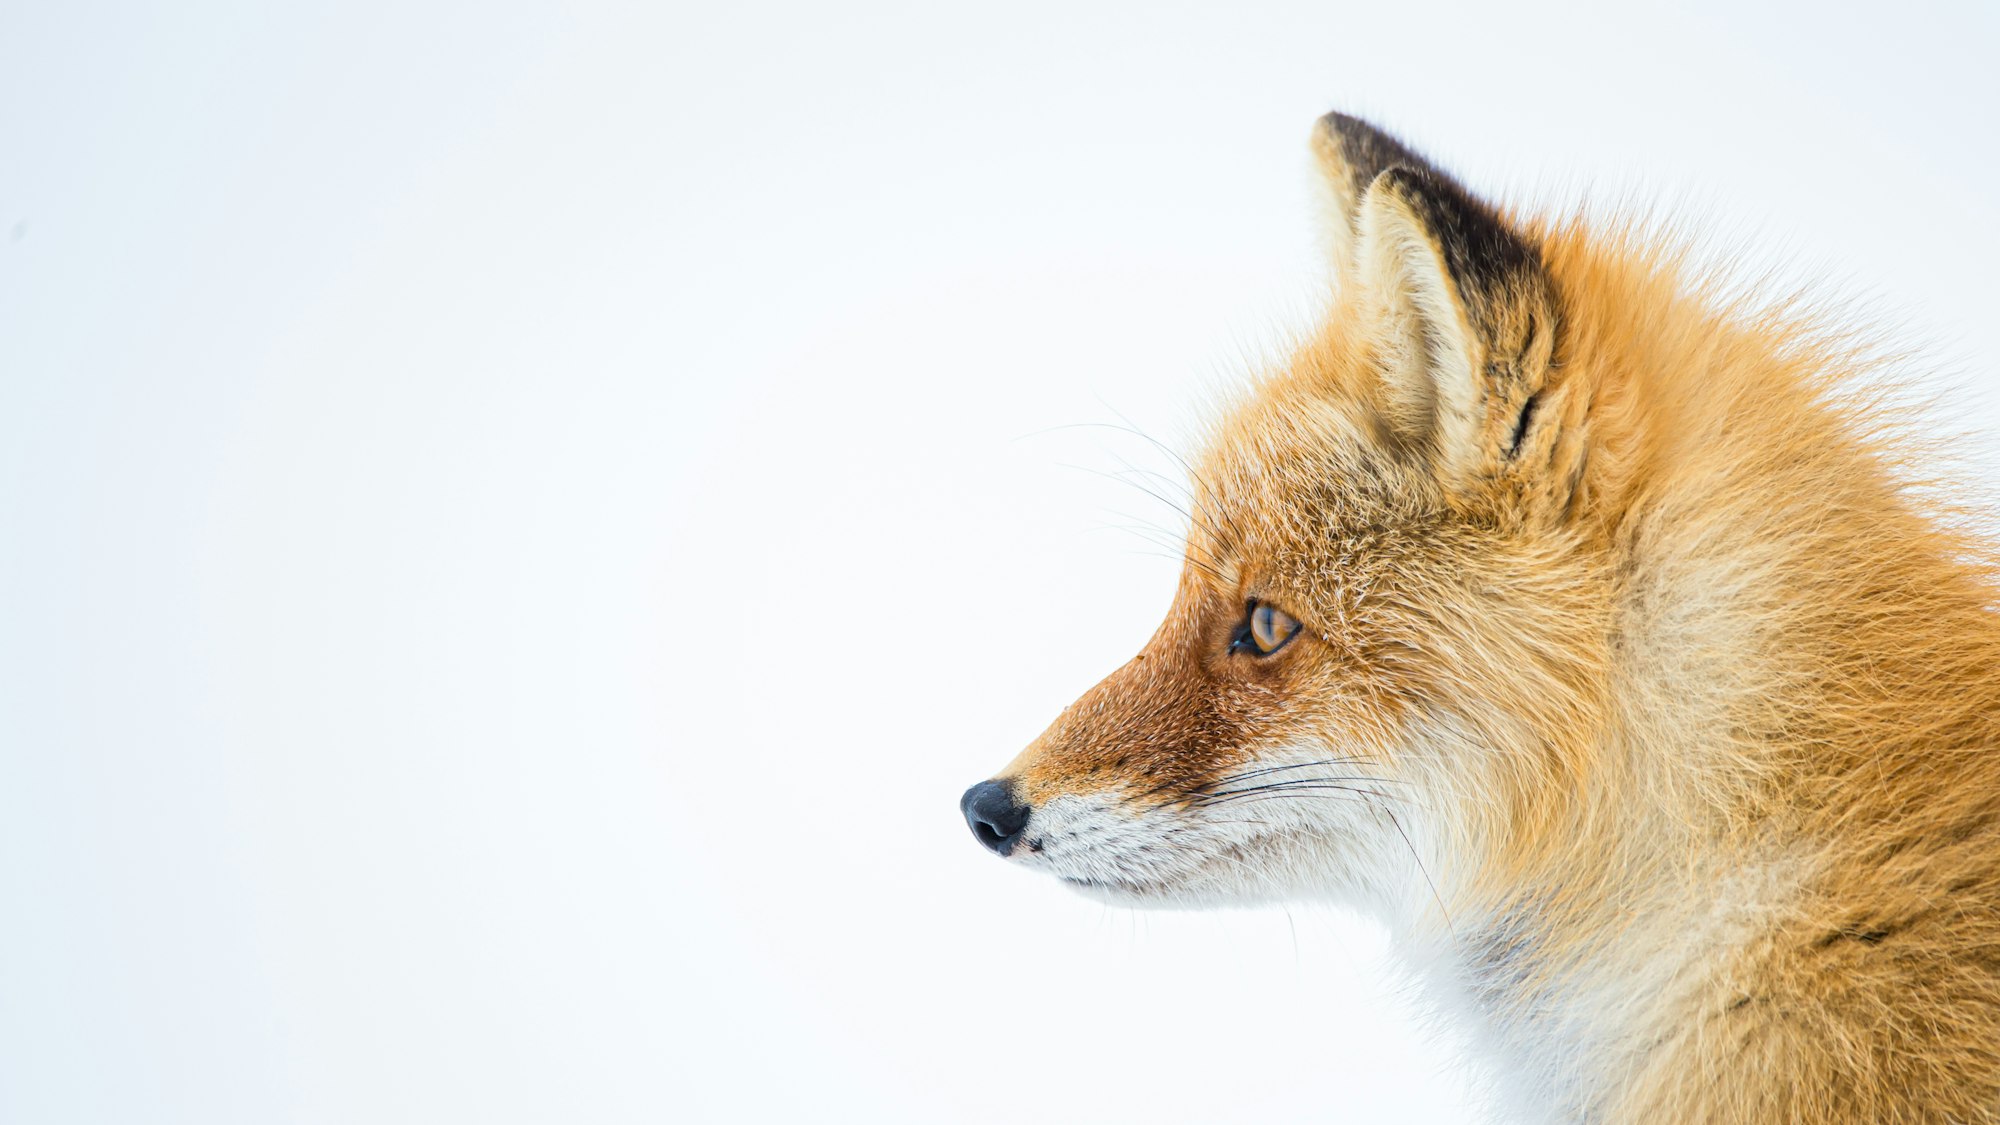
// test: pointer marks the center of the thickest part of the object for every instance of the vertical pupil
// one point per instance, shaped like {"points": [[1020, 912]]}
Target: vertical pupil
{"points": [[1260, 627]]}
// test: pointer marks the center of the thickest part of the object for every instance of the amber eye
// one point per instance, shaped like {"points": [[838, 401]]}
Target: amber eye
{"points": [[1265, 630]]}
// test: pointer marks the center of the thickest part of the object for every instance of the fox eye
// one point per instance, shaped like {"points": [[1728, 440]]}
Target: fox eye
{"points": [[1265, 630]]}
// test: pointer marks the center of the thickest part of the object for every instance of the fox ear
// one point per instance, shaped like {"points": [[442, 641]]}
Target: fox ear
{"points": [[1461, 316], [1351, 153]]}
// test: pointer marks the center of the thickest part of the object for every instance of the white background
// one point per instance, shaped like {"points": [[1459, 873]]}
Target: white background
{"points": [[517, 524]]}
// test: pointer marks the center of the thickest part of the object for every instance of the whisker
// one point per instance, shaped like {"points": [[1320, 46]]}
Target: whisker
{"points": [[1234, 531], [1424, 871], [1132, 428], [1299, 785], [1158, 538], [1313, 785], [1227, 778], [1194, 518], [1213, 790], [1360, 795], [1127, 474], [1161, 478], [1203, 567]]}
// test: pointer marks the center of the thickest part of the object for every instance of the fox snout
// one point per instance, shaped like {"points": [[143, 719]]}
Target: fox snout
{"points": [[996, 816]]}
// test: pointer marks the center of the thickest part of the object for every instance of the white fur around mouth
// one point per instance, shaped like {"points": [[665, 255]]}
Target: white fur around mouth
{"points": [[1099, 840], [1109, 850], [1118, 846]]}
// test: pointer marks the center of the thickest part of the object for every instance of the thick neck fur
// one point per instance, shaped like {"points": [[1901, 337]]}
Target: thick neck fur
{"points": [[1785, 835]]}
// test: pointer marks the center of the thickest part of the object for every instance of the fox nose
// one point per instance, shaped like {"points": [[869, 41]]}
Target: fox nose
{"points": [[995, 816]]}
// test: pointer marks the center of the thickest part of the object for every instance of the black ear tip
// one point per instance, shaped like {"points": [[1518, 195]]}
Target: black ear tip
{"points": [[1336, 122], [1346, 131], [1357, 151]]}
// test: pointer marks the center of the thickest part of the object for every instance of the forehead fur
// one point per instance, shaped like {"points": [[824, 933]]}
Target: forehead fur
{"points": [[1299, 489]]}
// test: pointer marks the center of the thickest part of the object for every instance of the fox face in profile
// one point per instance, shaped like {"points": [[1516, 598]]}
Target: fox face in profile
{"points": [[1590, 630]]}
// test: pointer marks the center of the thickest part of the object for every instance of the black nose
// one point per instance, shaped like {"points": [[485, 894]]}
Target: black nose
{"points": [[995, 816]]}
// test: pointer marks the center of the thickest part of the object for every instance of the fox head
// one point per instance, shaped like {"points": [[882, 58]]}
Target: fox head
{"points": [[1387, 639]]}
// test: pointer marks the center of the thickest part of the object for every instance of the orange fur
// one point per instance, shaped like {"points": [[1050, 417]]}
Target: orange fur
{"points": [[1678, 691]]}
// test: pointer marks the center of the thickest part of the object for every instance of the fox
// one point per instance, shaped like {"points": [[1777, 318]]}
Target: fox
{"points": [[1604, 633]]}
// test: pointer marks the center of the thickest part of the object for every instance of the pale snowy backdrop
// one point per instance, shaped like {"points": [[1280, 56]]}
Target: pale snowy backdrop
{"points": [[517, 522]]}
